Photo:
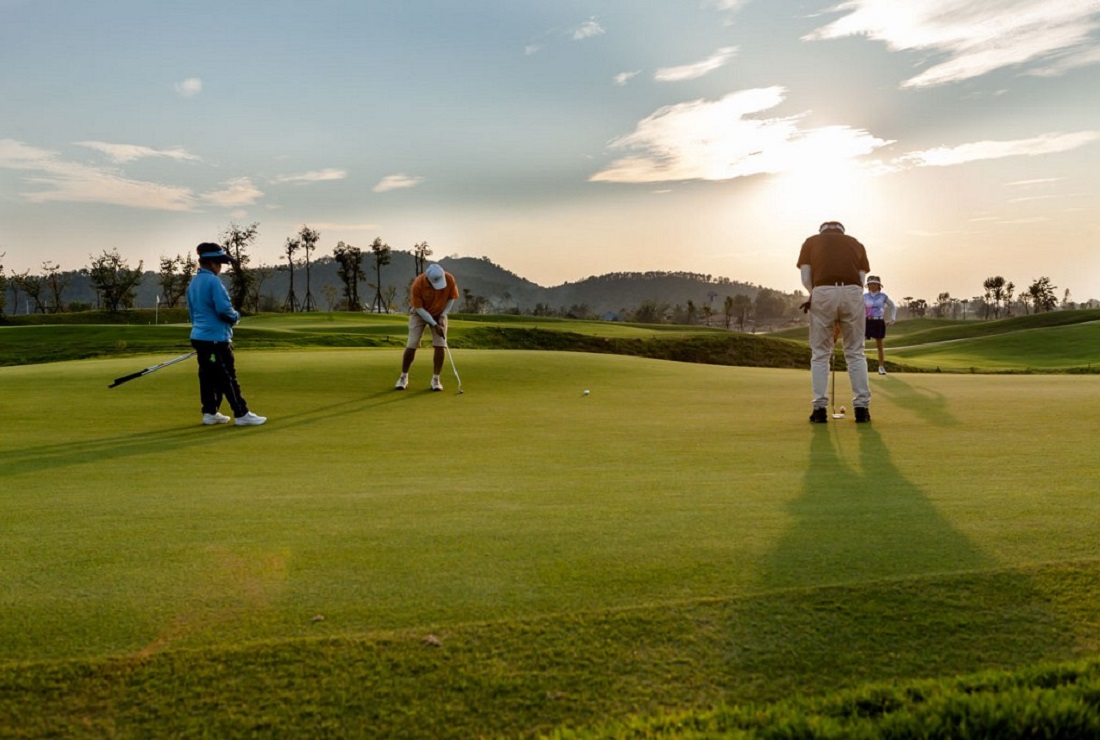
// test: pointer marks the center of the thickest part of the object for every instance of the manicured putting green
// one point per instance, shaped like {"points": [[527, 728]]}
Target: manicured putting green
{"points": [[129, 527]]}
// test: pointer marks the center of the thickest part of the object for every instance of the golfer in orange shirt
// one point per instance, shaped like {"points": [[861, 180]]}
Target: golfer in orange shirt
{"points": [[432, 295]]}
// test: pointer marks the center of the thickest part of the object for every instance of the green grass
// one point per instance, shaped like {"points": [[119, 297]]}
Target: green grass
{"points": [[679, 539]]}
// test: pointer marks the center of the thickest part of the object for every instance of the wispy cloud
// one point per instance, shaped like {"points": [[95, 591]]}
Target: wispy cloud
{"points": [[315, 176], [589, 29], [724, 4], [531, 49], [624, 77], [721, 140], [59, 180], [397, 182], [944, 156], [975, 37], [238, 191], [123, 153], [697, 69], [1036, 181], [189, 88]]}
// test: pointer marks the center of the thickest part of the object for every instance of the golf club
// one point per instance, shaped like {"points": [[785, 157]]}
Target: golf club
{"points": [[452, 359], [832, 368], [153, 369]]}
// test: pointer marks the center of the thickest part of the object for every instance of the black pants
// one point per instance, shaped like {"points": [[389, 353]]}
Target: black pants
{"points": [[218, 377]]}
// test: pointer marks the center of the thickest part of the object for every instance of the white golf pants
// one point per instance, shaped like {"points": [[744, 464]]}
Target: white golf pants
{"points": [[829, 305]]}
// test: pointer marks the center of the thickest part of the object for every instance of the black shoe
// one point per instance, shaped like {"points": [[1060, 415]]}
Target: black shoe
{"points": [[819, 416], [863, 414]]}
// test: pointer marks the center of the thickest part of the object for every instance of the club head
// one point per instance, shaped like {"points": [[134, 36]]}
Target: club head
{"points": [[838, 416]]}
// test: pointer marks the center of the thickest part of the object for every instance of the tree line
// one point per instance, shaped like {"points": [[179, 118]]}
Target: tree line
{"points": [[999, 299], [115, 284]]}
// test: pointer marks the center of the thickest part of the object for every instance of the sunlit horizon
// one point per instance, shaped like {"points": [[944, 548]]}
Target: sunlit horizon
{"points": [[955, 138]]}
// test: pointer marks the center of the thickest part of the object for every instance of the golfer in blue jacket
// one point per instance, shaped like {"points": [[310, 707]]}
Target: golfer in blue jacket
{"points": [[212, 319]]}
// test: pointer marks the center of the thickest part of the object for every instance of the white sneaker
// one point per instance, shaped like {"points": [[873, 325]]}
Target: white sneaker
{"points": [[250, 420], [402, 383], [881, 370], [436, 384], [215, 418]]}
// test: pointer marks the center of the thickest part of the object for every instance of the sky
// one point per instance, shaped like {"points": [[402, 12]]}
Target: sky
{"points": [[957, 139]]}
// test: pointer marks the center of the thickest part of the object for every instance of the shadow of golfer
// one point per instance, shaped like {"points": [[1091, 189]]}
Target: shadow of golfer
{"points": [[870, 580], [116, 447], [929, 405]]}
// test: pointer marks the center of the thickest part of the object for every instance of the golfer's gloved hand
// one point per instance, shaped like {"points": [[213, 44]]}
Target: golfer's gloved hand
{"points": [[805, 307]]}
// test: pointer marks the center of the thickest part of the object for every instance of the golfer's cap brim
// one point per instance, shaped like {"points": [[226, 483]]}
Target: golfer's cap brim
{"points": [[438, 284], [219, 256]]}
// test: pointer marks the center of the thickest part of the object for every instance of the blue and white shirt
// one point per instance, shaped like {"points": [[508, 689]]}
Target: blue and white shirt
{"points": [[876, 304]]}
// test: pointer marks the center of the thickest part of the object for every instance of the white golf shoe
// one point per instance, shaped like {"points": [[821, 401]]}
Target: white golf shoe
{"points": [[402, 383], [214, 418], [436, 384], [881, 370], [250, 420]]}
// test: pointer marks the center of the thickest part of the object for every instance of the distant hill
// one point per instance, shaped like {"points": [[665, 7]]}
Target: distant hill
{"points": [[496, 289]]}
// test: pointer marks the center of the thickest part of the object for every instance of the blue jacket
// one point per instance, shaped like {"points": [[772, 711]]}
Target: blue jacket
{"points": [[212, 313]]}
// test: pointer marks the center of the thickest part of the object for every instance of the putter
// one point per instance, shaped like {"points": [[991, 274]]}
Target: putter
{"points": [[153, 369], [832, 395], [452, 359]]}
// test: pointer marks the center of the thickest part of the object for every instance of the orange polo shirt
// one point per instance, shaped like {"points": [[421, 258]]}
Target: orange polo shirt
{"points": [[423, 295]]}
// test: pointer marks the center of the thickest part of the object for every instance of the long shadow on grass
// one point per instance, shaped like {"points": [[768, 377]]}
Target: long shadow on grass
{"points": [[18, 461], [876, 584], [928, 405]]}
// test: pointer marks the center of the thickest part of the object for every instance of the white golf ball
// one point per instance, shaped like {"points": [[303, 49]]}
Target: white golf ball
{"points": [[586, 391]]}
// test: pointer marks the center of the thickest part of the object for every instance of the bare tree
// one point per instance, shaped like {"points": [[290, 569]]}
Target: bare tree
{"points": [[381, 252], [349, 262], [3, 285], [289, 249], [994, 294], [1042, 294], [421, 252], [236, 240], [308, 238], [56, 282], [175, 273], [32, 288], [115, 283]]}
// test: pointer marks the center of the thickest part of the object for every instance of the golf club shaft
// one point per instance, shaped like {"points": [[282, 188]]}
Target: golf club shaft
{"points": [[154, 368], [453, 368]]}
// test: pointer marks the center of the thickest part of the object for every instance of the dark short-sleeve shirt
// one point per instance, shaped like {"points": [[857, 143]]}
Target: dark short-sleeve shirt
{"points": [[834, 258]]}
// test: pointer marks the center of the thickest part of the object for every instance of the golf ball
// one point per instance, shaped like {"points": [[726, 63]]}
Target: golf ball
{"points": [[586, 391], [842, 409]]}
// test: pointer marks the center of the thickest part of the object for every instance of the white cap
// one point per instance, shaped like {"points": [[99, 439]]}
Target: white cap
{"points": [[436, 276]]}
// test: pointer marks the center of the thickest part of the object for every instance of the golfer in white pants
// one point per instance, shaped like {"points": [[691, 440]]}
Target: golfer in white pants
{"points": [[834, 266]]}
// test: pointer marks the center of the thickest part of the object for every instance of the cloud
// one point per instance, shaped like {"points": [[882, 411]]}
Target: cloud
{"points": [[123, 153], [975, 37], [589, 29], [189, 88], [624, 77], [397, 182], [698, 69], [1052, 143], [719, 140], [238, 191], [532, 49], [724, 4], [315, 176], [65, 181]]}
